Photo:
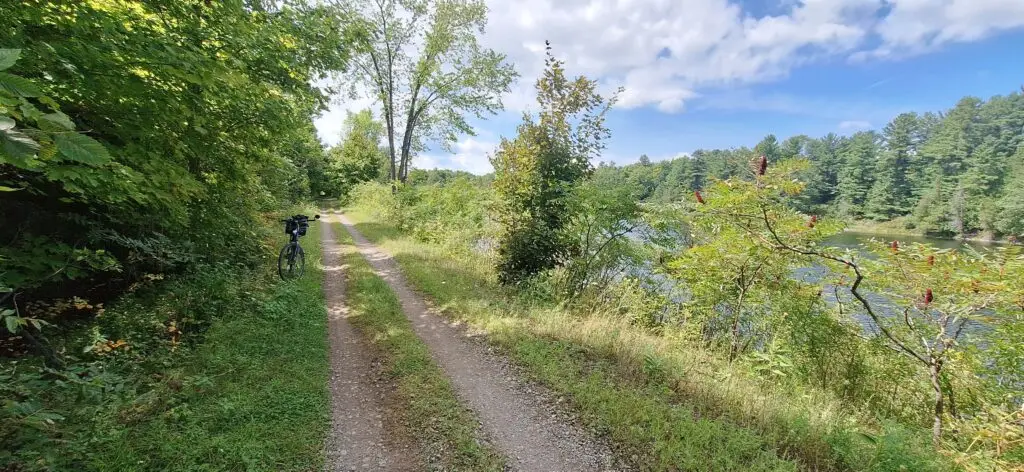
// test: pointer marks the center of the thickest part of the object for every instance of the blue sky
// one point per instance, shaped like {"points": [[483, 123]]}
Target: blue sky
{"points": [[818, 99], [718, 74]]}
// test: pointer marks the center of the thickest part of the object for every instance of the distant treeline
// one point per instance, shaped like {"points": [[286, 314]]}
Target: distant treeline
{"points": [[956, 172]]}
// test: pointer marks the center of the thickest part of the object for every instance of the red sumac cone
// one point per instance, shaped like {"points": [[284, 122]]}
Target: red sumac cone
{"points": [[762, 166], [700, 199], [928, 296]]}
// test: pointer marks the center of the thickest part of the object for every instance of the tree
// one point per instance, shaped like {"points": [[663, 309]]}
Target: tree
{"points": [[857, 172], [359, 157], [752, 237], [204, 108], [1010, 219], [769, 147], [890, 196], [946, 151], [729, 266], [536, 172], [794, 146], [823, 175], [423, 63]]}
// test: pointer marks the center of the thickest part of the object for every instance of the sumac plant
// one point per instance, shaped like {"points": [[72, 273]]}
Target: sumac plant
{"points": [[922, 303]]}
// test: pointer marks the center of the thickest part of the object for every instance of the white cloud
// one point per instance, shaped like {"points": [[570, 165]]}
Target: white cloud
{"points": [[423, 161], [716, 43], [470, 154], [674, 55], [915, 26], [854, 125], [330, 123], [663, 51]]}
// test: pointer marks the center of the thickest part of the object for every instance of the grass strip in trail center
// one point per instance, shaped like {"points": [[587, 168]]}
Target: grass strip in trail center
{"points": [[448, 432]]}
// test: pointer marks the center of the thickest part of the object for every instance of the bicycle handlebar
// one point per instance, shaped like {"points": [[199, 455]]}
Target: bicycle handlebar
{"points": [[292, 218]]}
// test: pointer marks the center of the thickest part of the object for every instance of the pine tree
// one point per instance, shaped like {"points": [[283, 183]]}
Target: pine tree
{"points": [[857, 172], [823, 177], [948, 149], [794, 146], [891, 194], [697, 176], [769, 147]]}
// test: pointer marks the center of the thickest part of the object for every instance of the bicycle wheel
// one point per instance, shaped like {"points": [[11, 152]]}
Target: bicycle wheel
{"points": [[291, 263]]}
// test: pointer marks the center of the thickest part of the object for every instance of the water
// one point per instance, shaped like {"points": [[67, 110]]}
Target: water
{"points": [[851, 239], [817, 274]]}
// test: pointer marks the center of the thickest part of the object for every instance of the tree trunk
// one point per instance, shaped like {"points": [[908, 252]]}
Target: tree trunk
{"points": [[389, 121], [410, 125], [934, 370], [735, 348]]}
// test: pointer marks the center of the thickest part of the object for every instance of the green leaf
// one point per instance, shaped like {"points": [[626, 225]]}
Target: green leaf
{"points": [[60, 120], [18, 145], [8, 57], [18, 86], [6, 123], [12, 323], [81, 148], [8, 189]]}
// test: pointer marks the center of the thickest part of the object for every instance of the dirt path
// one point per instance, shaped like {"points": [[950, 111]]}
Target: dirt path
{"points": [[359, 439], [516, 415]]}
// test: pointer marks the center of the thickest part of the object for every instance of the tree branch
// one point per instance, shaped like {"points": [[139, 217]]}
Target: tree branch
{"points": [[853, 288]]}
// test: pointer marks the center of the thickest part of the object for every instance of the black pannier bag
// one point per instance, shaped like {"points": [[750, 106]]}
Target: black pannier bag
{"points": [[303, 226], [289, 226]]}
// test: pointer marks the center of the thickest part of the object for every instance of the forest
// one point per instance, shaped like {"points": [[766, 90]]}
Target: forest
{"points": [[954, 173], [150, 150]]}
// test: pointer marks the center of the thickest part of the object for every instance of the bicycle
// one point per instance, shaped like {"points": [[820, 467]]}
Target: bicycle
{"points": [[291, 263]]}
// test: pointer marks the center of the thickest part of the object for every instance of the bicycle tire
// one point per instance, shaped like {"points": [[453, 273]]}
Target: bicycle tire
{"points": [[291, 262]]}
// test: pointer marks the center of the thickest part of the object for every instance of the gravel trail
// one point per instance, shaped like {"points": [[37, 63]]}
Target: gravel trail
{"points": [[360, 437], [521, 418]]}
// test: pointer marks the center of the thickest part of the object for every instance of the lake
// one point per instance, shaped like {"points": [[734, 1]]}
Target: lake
{"points": [[852, 239], [817, 273]]}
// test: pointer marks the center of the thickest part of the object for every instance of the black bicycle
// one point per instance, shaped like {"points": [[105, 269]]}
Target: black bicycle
{"points": [[291, 263]]}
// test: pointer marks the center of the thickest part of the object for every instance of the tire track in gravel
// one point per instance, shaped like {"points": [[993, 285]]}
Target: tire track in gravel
{"points": [[517, 416], [360, 437]]}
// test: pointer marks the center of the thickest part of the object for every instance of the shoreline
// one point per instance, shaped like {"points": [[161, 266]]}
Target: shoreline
{"points": [[881, 230]]}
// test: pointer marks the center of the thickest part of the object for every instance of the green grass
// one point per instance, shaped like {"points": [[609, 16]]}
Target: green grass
{"points": [[252, 396], [669, 405], [643, 424], [428, 405], [243, 387]]}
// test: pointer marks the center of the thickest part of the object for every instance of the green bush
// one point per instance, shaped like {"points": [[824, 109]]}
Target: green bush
{"points": [[454, 213]]}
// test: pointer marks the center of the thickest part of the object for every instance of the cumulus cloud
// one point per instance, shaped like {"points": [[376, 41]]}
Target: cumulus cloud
{"points": [[916, 26], [674, 55], [470, 154], [664, 52]]}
